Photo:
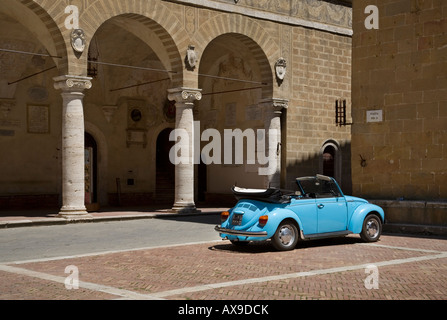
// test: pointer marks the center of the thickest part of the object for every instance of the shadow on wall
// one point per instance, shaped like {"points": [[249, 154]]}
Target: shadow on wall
{"points": [[314, 164]]}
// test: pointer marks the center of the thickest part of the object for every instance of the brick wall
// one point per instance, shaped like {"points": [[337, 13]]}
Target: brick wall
{"points": [[401, 69], [321, 74]]}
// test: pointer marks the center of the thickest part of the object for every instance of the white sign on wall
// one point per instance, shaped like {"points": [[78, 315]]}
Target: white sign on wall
{"points": [[374, 116]]}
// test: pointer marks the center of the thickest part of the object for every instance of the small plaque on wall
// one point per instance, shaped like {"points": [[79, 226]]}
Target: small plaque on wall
{"points": [[136, 137], [374, 116], [38, 119]]}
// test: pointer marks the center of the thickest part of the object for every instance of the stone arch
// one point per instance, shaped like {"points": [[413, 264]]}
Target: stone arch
{"points": [[235, 76], [162, 35], [264, 49], [332, 148], [42, 24]]}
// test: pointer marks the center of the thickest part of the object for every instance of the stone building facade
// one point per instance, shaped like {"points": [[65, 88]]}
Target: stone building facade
{"points": [[399, 85], [91, 91]]}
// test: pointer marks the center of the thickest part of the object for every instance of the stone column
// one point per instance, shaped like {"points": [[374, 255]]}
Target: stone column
{"points": [[73, 183], [184, 171], [272, 117]]}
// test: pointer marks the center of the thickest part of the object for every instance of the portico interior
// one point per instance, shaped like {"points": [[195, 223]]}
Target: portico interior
{"points": [[85, 128]]}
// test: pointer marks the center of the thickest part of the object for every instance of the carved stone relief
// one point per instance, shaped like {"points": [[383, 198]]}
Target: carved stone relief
{"points": [[315, 10], [286, 50], [78, 40], [325, 12], [191, 58], [190, 19], [280, 69]]}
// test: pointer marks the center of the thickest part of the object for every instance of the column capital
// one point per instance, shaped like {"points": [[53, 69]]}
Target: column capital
{"points": [[277, 103], [68, 83], [184, 95]]}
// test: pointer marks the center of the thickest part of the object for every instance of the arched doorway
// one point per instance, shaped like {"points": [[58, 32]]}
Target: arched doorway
{"points": [[91, 172], [165, 170], [329, 161]]}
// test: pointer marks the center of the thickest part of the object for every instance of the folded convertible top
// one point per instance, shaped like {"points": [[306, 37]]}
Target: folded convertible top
{"points": [[272, 195]]}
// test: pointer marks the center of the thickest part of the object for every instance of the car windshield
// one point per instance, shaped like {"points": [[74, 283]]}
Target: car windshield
{"points": [[318, 188]]}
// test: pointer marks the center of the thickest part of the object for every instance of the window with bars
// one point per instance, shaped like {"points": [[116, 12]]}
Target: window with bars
{"points": [[340, 113]]}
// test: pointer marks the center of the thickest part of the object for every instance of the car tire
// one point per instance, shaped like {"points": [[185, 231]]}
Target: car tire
{"points": [[372, 228], [286, 236]]}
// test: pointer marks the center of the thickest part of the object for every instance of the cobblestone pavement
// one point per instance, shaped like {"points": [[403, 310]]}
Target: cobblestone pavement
{"points": [[395, 268]]}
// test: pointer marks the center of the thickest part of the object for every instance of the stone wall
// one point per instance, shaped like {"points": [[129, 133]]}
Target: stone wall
{"points": [[399, 85], [418, 217]]}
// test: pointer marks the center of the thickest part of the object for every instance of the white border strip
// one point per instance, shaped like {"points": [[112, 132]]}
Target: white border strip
{"points": [[399, 248]]}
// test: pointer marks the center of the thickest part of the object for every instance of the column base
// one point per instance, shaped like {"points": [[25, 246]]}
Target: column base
{"points": [[184, 208], [73, 214]]}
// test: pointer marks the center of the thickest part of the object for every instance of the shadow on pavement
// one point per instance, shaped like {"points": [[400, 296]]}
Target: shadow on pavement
{"points": [[206, 218], [265, 246]]}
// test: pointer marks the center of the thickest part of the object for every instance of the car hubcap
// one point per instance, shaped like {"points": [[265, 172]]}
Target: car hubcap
{"points": [[372, 228], [286, 235]]}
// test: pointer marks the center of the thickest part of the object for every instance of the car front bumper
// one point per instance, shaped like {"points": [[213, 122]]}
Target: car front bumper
{"points": [[241, 233]]}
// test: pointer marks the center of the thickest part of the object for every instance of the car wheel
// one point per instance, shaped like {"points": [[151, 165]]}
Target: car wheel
{"points": [[286, 236], [372, 228]]}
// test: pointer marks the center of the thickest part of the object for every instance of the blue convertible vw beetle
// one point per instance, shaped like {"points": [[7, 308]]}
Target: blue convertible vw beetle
{"points": [[319, 209]]}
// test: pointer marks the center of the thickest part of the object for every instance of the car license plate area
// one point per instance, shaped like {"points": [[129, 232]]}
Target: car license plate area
{"points": [[237, 220]]}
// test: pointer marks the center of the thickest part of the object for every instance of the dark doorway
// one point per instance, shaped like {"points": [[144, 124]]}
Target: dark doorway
{"points": [[329, 161], [165, 170], [91, 169]]}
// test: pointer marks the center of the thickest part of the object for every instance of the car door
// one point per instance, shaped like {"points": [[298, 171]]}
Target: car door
{"points": [[305, 210], [332, 214]]}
